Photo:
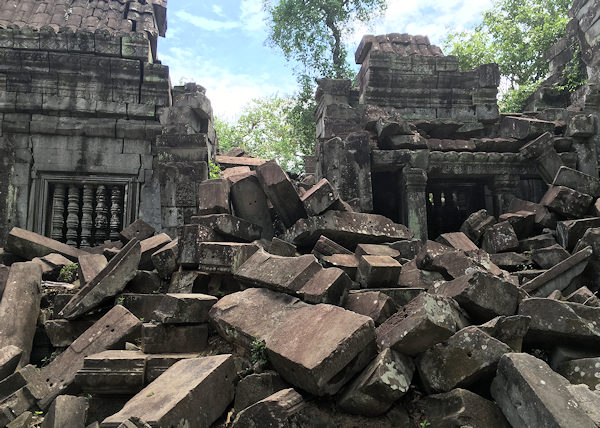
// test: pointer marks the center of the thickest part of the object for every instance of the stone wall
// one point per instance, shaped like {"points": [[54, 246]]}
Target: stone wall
{"points": [[585, 25]]}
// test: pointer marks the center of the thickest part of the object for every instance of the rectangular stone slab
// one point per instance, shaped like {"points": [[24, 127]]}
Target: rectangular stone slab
{"points": [[150, 246], [20, 307], [90, 265], [577, 180], [230, 227], [109, 282], [30, 245], [110, 331], [193, 392], [161, 338], [184, 308]]}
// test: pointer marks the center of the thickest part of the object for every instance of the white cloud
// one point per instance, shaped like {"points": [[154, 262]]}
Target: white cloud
{"points": [[205, 23], [218, 10], [252, 15]]}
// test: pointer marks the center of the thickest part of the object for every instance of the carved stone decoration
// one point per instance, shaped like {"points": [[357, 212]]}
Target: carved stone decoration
{"points": [[58, 213], [101, 224], [72, 215], [115, 213], [86, 216]]}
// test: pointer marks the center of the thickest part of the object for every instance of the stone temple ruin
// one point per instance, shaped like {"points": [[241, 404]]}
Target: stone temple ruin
{"points": [[437, 265]]}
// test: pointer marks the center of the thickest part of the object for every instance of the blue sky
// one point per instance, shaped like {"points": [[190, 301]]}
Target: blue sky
{"points": [[221, 44]]}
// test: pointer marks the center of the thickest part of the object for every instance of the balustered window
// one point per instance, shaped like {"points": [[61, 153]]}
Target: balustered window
{"points": [[85, 213]]}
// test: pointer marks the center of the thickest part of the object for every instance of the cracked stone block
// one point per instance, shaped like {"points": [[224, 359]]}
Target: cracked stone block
{"points": [[510, 330], [476, 225], [566, 202], [249, 202], [499, 238], [184, 308], [582, 371], [150, 246], [319, 198], [283, 408], [229, 227], [165, 338]]}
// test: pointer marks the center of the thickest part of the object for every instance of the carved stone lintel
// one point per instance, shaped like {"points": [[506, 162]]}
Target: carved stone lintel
{"points": [[58, 213], [73, 215]]}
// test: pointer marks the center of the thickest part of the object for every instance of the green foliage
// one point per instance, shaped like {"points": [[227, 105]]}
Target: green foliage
{"points": [[120, 300], [48, 359], [515, 34], [258, 353], [274, 127], [311, 32], [69, 273], [213, 170], [424, 424], [575, 73]]}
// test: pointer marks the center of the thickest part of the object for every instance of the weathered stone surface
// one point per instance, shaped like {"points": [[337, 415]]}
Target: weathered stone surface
{"points": [[279, 247], [223, 257], [190, 237], [29, 245], [230, 227], [112, 330], [540, 241], [256, 387], [457, 240], [213, 197], [555, 322], [10, 356], [165, 259], [499, 238], [511, 261], [584, 296], [346, 228], [412, 276], [524, 128], [24, 420], [66, 411], [560, 276], [583, 371], [319, 198], [62, 333], [385, 380], [543, 217], [346, 262], [283, 408], [542, 151], [376, 250], [139, 230], [378, 271], [250, 202], [482, 295], [529, 393], [476, 225], [577, 180], [425, 321], [20, 307], [566, 202], [184, 308], [108, 283], [193, 392], [281, 192], [468, 357], [523, 222], [326, 247], [140, 305], [449, 262], [4, 270], [90, 265], [51, 265], [165, 338], [373, 304], [548, 257], [570, 231], [510, 330], [150, 246], [329, 285], [459, 408]]}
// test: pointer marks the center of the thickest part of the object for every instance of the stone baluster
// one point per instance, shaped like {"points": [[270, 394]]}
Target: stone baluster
{"points": [[101, 224], [415, 205], [58, 213], [86, 216], [72, 215], [115, 213]]}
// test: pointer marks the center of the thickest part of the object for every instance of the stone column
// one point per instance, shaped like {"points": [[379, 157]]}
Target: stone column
{"points": [[415, 201], [504, 189]]}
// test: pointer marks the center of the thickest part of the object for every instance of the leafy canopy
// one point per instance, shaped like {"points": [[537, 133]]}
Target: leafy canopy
{"points": [[270, 128], [515, 34], [312, 32]]}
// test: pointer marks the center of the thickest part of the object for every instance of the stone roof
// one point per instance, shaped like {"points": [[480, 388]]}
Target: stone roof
{"points": [[400, 44], [116, 16]]}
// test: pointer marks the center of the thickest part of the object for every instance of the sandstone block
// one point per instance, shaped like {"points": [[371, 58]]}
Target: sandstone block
{"points": [[548, 257], [30, 245], [10, 356], [577, 180], [256, 387], [249, 202], [184, 308], [523, 222], [566, 202], [90, 265], [319, 198], [582, 371], [374, 304], [283, 408], [148, 247], [165, 259], [213, 197], [570, 231], [499, 238], [378, 271], [457, 240], [230, 227], [476, 225], [66, 411], [139, 230], [223, 257], [510, 330], [165, 338]]}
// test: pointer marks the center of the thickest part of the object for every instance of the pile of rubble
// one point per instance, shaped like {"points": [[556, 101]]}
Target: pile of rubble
{"points": [[278, 305]]}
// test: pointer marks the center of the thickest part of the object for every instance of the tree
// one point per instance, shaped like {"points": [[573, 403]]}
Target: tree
{"points": [[515, 34], [269, 128], [312, 32]]}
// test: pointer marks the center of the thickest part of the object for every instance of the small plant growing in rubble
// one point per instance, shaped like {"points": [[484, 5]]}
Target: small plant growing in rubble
{"points": [[120, 300], [69, 273], [424, 424], [213, 170], [48, 359], [258, 353]]}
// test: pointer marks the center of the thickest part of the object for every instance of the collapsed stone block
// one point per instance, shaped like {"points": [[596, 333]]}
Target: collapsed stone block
{"points": [[542, 151], [377, 271], [577, 180], [584, 296], [548, 257], [582, 371], [566, 202], [255, 387], [110, 331], [326, 247], [529, 393], [523, 222], [281, 192], [555, 322], [560, 276], [4, 270], [223, 257], [467, 357], [20, 307], [461, 407], [29, 245], [66, 411], [213, 197], [376, 250], [510, 330], [511, 261], [230, 227], [139, 230], [249, 202], [458, 241], [62, 333], [346, 262], [412, 276], [190, 237], [283, 408], [108, 283], [193, 392], [165, 259], [10, 356], [525, 128], [164, 338], [90, 265], [476, 225], [482, 295], [537, 242], [279, 247], [543, 217], [319, 198], [570, 231], [329, 285], [374, 304], [150, 246], [184, 308], [425, 321], [385, 380], [499, 238], [51, 265]]}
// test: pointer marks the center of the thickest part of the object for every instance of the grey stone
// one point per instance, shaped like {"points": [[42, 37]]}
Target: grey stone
{"points": [[326, 247], [90, 265], [66, 411], [283, 408], [319, 198], [165, 338], [499, 238], [139, 230], [373, 304], [213, 197], [30, 245], [510, 330], [536, 242], [230, 227], [542, 151], [255, 387], [165, 259], [329, 285], [566, 202], [457, 240], [583, 371], [249, 202], [570, 231], [148, 247], [476, 225], [10, 356], [378, 271], [577, 180], [184, 308], [584, 296], [522, 222], [226, 257], [548, 257], [62, 333], [279, 247]]}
